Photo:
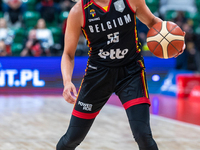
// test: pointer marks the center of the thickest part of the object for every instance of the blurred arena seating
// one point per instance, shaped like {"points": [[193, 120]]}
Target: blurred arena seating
{"points": [[178, 5], [184, 11]]}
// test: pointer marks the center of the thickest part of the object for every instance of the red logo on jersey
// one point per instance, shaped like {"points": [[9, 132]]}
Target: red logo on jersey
{"points": [[92, 12]]}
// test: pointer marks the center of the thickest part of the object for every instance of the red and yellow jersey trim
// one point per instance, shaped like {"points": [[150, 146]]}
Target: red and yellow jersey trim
{"points": [[105, 8], [130, 6], [87, 5], [141, 63], [86, 36], [136, 36]]}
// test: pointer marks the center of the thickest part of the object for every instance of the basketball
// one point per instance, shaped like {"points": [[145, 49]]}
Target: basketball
{"points": [[165, 39]]}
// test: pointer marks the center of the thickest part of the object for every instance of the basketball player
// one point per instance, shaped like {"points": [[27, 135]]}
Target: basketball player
{"points": [[115, 65]]}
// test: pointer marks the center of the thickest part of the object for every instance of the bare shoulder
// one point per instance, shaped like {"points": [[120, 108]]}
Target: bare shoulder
{"points": [[77, 8], [76, 13], [143, 12], [135, 4]]}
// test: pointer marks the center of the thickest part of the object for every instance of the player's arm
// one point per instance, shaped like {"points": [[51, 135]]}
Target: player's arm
{"points": [[73, 29], [143, 13]]}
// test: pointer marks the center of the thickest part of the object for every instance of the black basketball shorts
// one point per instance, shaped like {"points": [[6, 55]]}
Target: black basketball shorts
{"points": [[99, 83]]}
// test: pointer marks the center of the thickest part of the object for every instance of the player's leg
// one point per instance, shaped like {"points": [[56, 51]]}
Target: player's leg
{"points": [[137, 110], [134, 96], [138, 116], [77, 130], [94, 93]]}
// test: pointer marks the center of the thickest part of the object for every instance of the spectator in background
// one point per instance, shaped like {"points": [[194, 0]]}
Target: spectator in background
{"points": [[189, 32], [13, 10], [66, 5], [190, 46], [48, 10], [3, 29], [0, 5], [82, 48], [180, 19], [44, 35], [6, 34], [142, 35], [142, 31], [58, 1], [33, 46], [3, 51], [187, 60], [64, 24], [197, 55], [191, 61]]}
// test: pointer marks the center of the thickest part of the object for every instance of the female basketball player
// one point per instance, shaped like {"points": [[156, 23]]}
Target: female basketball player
{"points": [[115, 65]]}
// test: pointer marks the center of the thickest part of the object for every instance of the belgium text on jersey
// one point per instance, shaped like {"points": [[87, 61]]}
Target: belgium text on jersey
{"points": [[126, 19]]}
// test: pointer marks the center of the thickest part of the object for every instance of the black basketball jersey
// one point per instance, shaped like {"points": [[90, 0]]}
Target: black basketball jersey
{"points": [[112, 34]]}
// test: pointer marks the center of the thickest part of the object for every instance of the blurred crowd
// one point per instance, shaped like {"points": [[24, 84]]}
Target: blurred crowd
{"points": [[37, 28]]}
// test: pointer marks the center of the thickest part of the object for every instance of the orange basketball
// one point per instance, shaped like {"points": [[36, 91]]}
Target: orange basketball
{"points": [[165, 39]]}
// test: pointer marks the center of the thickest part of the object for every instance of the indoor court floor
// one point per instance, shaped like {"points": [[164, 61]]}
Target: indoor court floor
{"points": [[37, 123]]}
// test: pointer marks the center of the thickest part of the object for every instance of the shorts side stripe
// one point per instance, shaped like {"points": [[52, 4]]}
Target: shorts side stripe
{"points": [[79, 90], [81, 84], [84, 115], [136, 102], [143, 79], [144, 84]]}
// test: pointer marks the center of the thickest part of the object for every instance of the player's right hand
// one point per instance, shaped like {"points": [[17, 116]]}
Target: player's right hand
{"points": [[70, 93]]}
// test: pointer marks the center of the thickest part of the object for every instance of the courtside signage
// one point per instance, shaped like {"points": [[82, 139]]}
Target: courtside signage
{"points": [[43, 74], [8, 77], [34, 75]]}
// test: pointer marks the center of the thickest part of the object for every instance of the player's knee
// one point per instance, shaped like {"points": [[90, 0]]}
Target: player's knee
{"points": [[68, 142], [143, 138], [142, 134], [72, 138]]}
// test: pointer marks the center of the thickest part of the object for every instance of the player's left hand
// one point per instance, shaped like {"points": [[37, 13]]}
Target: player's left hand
{"points": [[184, 46]]}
